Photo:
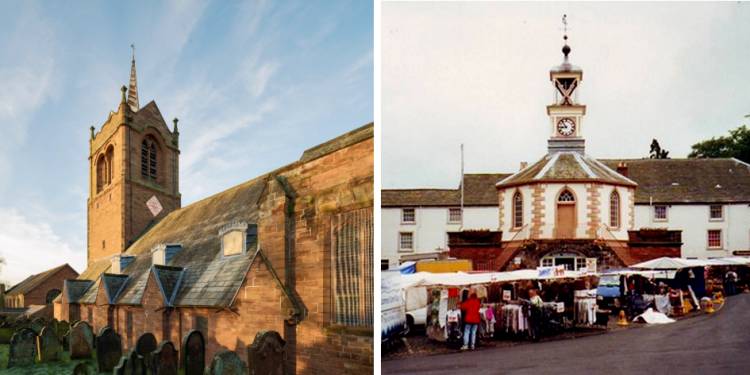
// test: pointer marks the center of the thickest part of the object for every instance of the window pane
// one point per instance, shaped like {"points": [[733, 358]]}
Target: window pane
{"points": [[716, 212], [714, 238], [408, 215], [517, 210], [406, 240], [454, 215], [660, 212]]}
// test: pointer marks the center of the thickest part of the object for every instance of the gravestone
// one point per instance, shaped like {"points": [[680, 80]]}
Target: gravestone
{"points": [[130, 364], [82, 369], [267, 354], [108, 349], [22, 348], [193, 353], [37, 325], [145, 346], [165, 359], [80, 340], [48, 346], [62, 330], [226, 362]]}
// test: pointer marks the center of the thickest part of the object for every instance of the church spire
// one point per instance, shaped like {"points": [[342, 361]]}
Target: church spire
{"points": [[133, 89]]}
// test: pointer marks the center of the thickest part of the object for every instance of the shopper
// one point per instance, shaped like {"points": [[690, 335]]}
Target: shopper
{"points": [[470, 307], [730, 280]]}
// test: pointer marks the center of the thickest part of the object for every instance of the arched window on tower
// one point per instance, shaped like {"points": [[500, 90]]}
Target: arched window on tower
{"points": [[110, 159], [614, 209], [148, 158], [517, 210], [101, 172]]}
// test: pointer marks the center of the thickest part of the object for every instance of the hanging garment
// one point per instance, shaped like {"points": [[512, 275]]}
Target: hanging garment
{"points": [[481, 291], [443, 310], [452, 292]]}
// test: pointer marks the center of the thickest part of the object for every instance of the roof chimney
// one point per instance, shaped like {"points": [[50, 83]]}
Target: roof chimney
{"points": [[622, 168], [523, 165], [162, 254], [119, 262]]}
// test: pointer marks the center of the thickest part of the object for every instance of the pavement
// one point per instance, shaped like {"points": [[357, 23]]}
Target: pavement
{"points": [[708, 344]]}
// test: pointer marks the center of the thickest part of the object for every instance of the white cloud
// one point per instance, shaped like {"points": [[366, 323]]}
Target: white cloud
{"points": [[477, 73], [30, 247]]}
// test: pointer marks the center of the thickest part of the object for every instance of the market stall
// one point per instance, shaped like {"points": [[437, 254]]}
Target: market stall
{"points": [[521, 304]]}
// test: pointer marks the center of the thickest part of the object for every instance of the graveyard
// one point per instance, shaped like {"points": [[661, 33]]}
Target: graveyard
{"points": [[57, 347]]}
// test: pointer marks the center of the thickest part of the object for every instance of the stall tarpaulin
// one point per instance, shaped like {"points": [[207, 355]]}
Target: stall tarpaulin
{"points": [[428, 279]]}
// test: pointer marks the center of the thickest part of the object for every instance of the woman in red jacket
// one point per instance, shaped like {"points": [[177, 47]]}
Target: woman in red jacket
{"points": [[472, 319]]}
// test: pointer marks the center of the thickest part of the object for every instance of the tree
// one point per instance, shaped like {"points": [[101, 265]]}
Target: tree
{"points": [[735, 145], [656, 151]]}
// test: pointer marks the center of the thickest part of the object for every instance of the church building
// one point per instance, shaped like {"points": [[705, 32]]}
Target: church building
{"points": [[289, 251], [571, 209]]}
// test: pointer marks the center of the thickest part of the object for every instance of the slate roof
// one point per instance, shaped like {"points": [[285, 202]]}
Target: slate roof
{"points": [[113, 284], [479, 190], [199, 272], [566, 166], [75, 289], [31, 282], [672, 181], [677, 181]]}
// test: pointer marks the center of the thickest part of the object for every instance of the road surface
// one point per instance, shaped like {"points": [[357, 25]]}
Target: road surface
{"points": [[708, 344]]}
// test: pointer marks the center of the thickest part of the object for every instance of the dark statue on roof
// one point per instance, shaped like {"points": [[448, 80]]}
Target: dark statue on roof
{"points": [[657, 152]]}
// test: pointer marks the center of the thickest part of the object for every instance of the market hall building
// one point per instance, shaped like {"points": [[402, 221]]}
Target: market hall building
{"points": [[288, 251], [569, 207]]}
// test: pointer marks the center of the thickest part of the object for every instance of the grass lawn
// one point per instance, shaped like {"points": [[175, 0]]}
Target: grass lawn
{"points": [[64, 366]]}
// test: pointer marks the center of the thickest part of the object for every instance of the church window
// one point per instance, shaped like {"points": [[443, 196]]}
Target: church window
{"points": [[660, 213], [110, 157], [454, 215], [716, 212], [148, 158], [129, 326], [91, 315], [566, 197], [352, 265], [101, 170], [714, 239], [614, 209], [517, 210]]}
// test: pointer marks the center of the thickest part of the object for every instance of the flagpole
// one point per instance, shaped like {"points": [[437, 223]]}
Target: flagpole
{"points": [[462, 186]]}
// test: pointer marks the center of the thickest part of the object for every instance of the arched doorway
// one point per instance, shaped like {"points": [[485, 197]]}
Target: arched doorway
{"points": [[565, 218]]}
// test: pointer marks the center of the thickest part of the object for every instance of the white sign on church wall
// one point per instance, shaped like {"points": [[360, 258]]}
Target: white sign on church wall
{"points": [[154, 205]]}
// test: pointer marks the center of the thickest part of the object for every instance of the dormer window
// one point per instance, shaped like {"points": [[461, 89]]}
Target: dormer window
{"points": [[238, 237]]}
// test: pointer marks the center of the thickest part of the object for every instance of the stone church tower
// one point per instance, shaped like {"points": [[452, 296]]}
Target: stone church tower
{"points": [[133, 174]]}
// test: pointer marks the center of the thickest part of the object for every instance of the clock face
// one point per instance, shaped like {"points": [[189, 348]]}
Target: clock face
{"points": [[566, 126]]}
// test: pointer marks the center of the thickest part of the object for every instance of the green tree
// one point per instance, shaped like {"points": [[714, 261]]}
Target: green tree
{"points": [[657, 152], [735, 145]]}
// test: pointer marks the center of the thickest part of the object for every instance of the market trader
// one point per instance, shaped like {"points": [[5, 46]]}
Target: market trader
{"points": [[472, 319]]}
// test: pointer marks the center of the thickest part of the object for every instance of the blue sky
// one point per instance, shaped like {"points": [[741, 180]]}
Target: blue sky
{"points": [[254, 83]]}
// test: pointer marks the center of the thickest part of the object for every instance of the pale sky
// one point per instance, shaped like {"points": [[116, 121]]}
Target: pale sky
{"points": [[478, 74], [254, 83]]}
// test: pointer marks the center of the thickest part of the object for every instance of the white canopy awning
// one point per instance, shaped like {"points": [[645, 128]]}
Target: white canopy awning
{"points": [[464, 279], [666, 263]]}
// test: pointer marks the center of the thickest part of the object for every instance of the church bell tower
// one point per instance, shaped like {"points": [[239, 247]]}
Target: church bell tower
{"points": [[566, 114], [133, 174]]}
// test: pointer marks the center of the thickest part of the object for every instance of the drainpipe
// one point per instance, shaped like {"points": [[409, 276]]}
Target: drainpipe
{"points": [[290, 328]]}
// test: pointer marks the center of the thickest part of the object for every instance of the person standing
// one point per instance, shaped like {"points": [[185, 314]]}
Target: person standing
{"points": [[730, 280], [472, 319]]}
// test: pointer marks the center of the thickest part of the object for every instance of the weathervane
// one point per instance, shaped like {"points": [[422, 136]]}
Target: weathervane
{"points": [[132, 46], [565, 26]]}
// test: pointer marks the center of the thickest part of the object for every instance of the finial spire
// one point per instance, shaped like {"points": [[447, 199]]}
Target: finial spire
{"points": [[133, 89], [566, 48]]}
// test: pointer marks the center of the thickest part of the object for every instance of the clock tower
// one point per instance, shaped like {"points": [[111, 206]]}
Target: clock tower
{"points": [[566, 113]]}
